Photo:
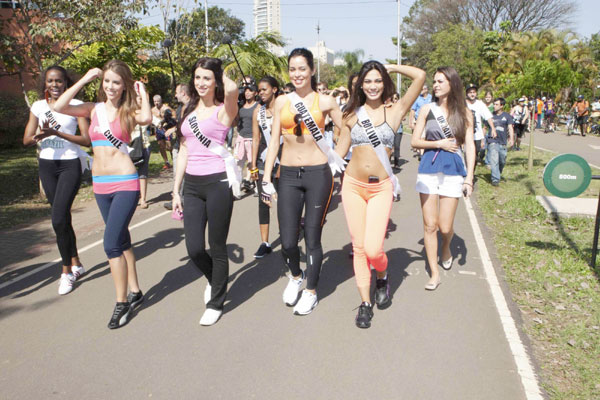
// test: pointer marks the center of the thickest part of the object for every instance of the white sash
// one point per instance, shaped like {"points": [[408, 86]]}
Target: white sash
{"points": [[333, 159], [105, 129], [445, 127], [84, 158], [376, 142], [265, 127], [234, 176]]}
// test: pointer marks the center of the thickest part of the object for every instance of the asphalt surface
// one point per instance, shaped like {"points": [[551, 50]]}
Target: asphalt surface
{"points": [[587, 146], [447, 344]]}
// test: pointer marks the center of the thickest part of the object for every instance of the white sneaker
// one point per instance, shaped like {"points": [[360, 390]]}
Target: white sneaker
{"points": [[66, 283], [77, 271], [207, 293], [308, 301], [290, 294], [210, 317]]}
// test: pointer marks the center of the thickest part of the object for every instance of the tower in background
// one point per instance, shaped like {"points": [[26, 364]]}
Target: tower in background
{"points": [[267, 18]]}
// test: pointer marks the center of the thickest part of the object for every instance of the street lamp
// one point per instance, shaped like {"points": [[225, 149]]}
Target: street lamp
{"points": [[167, 44]]}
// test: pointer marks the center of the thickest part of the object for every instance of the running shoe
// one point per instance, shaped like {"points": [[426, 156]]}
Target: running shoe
{"points": [[364, 316], [290, 294], [135, 299], [77, 271], [207, 293], [308, 301], [65, 284], [120, 315], [263, 250], [382, 293], [210, 317]]}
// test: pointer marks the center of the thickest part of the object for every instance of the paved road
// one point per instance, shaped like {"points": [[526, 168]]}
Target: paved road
{"points": [[587, 146], [447, 344]]}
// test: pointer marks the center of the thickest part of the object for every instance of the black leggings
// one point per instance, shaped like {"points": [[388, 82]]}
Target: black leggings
{"points": [[303, 187], [264, 214], [61, 180], [208, 199]]}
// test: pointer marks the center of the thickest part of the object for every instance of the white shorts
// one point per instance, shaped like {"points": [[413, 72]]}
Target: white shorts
{"points": [[441, 184]]}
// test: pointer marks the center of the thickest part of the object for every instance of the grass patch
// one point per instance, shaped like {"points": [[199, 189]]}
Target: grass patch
{"points": [[20, 199], [547, 264]]}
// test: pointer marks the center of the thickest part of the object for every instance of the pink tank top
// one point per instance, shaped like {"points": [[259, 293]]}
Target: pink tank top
{"points": [[98, 139], [202, 161]]}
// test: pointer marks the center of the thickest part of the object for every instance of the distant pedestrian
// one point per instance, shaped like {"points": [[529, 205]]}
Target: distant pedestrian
{"points": [[158, 115], [504, 137], [480, 114], [520, 115], [442, 128], [59, 165]]}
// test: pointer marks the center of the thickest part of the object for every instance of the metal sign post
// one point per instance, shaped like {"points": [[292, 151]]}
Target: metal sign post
{"points": [[569, 175]]}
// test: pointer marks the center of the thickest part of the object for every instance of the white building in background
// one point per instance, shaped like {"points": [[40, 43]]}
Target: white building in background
{"points": [[267, 18], [323, 53]]}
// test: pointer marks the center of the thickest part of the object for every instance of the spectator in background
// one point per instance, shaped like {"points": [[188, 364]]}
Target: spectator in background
{"points": [[498, 143], [550, 112], [488, 100], [142, 167], [158, 112], [539, 112], [289, 88], [480, 113], [520, 116], [582, 106], [243, 143]]}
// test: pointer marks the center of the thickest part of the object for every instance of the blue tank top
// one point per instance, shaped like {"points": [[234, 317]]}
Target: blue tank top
{"points": [[445, 162]]}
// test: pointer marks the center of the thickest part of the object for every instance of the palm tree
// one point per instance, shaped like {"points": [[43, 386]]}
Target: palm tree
{"points": [[255, 57]]}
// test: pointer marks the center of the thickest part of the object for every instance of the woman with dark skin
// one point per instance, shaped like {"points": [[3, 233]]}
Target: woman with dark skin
{"points": [[60, 168]]}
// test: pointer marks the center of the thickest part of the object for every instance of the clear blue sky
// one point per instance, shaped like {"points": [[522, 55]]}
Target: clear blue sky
{"points": [[353, 24]]}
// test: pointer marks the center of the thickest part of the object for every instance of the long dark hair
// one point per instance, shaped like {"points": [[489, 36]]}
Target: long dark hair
{"points": [[308, 56], [272, 82], [42, 82], [456, 103], [358, 97], [215, 65]]}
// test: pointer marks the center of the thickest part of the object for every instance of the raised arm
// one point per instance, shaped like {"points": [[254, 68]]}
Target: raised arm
{"points": [[230, 110], [144, 117], [81, 110], [418, 79]]}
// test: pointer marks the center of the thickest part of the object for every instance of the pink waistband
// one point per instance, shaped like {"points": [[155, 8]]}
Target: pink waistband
{"points": [[132, 185]]}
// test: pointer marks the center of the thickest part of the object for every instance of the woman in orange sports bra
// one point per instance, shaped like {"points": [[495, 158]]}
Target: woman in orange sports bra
{"points": [[306, 180]]}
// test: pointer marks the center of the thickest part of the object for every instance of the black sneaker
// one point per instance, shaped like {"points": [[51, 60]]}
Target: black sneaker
{"points": [[382, 293], [135, 299], [263, 250], [364, 316], [120, 316]]}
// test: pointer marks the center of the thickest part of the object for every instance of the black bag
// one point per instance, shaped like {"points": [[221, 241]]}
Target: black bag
{"points": [[137, 149]]}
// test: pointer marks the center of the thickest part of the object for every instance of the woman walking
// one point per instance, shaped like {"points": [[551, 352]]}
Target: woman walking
{"points": [[115, 180], [306, 180], [262, 122], [211, 176], [442, 128], [59, 165], [369, 183]]}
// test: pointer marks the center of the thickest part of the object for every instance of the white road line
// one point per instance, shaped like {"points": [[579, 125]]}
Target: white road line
{"points": [[556, 152], [528, 378], [463, 272], [86, 248]]}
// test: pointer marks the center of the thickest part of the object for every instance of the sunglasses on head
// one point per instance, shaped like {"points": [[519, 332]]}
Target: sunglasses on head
{"points": [[298, 127]]}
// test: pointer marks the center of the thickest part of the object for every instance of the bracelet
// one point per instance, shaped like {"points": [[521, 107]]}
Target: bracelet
{"points": [[254, 170], [467, 183]]}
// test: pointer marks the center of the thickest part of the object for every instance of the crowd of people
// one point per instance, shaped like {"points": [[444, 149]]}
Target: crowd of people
{"points": [[292, 141]]}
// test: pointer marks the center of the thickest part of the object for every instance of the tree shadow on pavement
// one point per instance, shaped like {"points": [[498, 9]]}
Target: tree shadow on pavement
{"points": [[336, 269], [253, 277], [31, 283], [458, 249]]}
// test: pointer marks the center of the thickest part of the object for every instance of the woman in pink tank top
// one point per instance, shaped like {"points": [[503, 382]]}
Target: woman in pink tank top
{"points": [[116, 183], [208, 196]]}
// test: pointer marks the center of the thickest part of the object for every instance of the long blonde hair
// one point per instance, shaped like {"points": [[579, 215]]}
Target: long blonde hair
{"points": [[127, 103]]}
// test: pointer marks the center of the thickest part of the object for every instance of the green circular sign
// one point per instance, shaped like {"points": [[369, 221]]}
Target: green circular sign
{"points": [[567, 175]]}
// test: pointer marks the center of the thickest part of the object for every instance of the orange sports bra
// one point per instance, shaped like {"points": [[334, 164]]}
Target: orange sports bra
{"points": [[287, 118]]}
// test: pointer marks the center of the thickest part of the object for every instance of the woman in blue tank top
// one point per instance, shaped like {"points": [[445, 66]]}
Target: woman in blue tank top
{"points": [[443, 129]]}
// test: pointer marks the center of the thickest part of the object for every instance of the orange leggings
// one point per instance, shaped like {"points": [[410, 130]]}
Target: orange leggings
{"points": [[367, 207]]}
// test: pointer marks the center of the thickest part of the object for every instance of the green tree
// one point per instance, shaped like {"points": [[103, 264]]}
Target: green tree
{"points": [[49, 31], [188, 33], [254, 57], [459, 46]]}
